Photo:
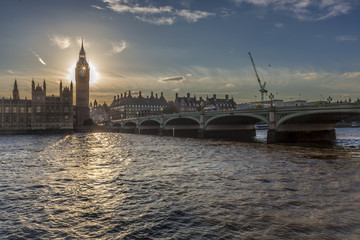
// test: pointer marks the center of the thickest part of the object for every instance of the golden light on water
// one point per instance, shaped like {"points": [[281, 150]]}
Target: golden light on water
{"points": [[94, 75]]}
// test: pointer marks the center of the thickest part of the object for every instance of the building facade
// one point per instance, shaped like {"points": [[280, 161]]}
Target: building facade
{"points": [[192, 104], [39, 113], [126, 106]]}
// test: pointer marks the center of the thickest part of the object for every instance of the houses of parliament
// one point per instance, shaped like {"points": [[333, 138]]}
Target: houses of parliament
{"points": [[43, 112]]}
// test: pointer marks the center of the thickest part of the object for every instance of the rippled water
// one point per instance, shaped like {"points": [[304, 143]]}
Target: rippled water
{"points": [[122, 186]]}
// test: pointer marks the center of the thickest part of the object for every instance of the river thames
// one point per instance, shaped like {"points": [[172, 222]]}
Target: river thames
{"points": [[123, 186]]}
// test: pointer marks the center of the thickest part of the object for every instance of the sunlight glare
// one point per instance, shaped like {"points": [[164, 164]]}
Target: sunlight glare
{"points": [[94, 75]]}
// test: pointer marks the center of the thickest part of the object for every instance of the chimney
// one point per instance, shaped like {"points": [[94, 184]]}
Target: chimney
{"points": [[188, 95], [214, 96], [124, 94], [176, 95], [118, 96], [121, 95], [139, 93], [114, 98], [156, 95], [226, 97]]}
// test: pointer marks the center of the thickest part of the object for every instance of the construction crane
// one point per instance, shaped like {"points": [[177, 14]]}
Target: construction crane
{"points": [[262, 85]]}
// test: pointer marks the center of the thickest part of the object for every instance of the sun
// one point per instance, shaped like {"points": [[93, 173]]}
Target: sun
{"points": [[94, 75]]}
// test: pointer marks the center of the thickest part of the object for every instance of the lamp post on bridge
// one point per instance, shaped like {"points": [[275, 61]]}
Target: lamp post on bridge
{"points": [[271, 96], [329, 99]]}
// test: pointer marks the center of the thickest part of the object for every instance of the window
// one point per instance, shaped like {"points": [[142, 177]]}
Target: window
{"points": [[66, 109], [29, 109], [38, 109], [22, 109], [7, 109]]}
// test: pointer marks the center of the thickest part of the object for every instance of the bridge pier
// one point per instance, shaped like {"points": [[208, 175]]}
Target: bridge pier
{"points": [[274, 136]]}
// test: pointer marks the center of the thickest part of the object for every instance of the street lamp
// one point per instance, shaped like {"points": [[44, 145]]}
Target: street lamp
{"points": [[271, 96], [329, 99]]}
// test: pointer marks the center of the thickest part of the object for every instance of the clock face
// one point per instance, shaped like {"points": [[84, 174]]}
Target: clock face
{"points": [[82, 73]]}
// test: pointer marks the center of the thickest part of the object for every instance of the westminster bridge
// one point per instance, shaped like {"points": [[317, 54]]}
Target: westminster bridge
{"points": [[286, 124]]}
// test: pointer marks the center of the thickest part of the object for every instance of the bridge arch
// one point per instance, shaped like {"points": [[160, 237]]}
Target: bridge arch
{"points": [[149, 122], [329, 116], [236, 118], [129, 124], [178, 120]]}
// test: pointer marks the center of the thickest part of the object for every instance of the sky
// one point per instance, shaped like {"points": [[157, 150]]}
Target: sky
{"points": [[303, 49]]}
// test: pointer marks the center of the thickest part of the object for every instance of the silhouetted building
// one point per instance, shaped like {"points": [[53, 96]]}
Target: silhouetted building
{"points": [[82, 77], [39, 113], [99, 113], [127, 106]]}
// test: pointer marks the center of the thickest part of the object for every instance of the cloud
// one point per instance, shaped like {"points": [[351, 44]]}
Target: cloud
{"points": [[351, 74], [305, 9], [158, 21], [173, 79], [122, 6], [279, 25], [229, 85], [61, 41], [38, 57], [346, 38], [10, 71], [97, 7], [193, 16], [158, 15], [308, 76], [118, 47]]}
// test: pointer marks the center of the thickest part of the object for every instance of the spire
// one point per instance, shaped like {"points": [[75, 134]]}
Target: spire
{"points": [[16, 91], [82, 51], [15, 85]]}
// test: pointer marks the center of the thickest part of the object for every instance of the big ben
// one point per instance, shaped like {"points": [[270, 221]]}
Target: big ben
{"points": [[82, 76]]}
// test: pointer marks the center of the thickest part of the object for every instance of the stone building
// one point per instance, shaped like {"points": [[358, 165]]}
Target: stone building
{"points": [[127, 106], [186, 104], [39, 113], [192, 104]]}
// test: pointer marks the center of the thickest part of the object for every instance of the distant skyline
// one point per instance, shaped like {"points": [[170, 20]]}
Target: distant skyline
{"points": [[307, 49]]}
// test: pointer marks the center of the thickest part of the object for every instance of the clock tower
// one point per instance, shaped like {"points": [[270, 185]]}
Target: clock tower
{"points": [[82, 76]]}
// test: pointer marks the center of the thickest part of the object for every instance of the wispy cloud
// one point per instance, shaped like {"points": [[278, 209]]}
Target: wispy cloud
{"points": [[279, 25], [173, 79], [346, 38], [351, 75], [306, 9], [61, 41], [97, 7], [158, 15], [10, 71], [118, 47], [157, 21], [38, 57], [122, 6], [193, 16]]}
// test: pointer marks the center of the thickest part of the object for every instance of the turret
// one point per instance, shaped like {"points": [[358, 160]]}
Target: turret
{"points": [[16, 91], [44, 86]]}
